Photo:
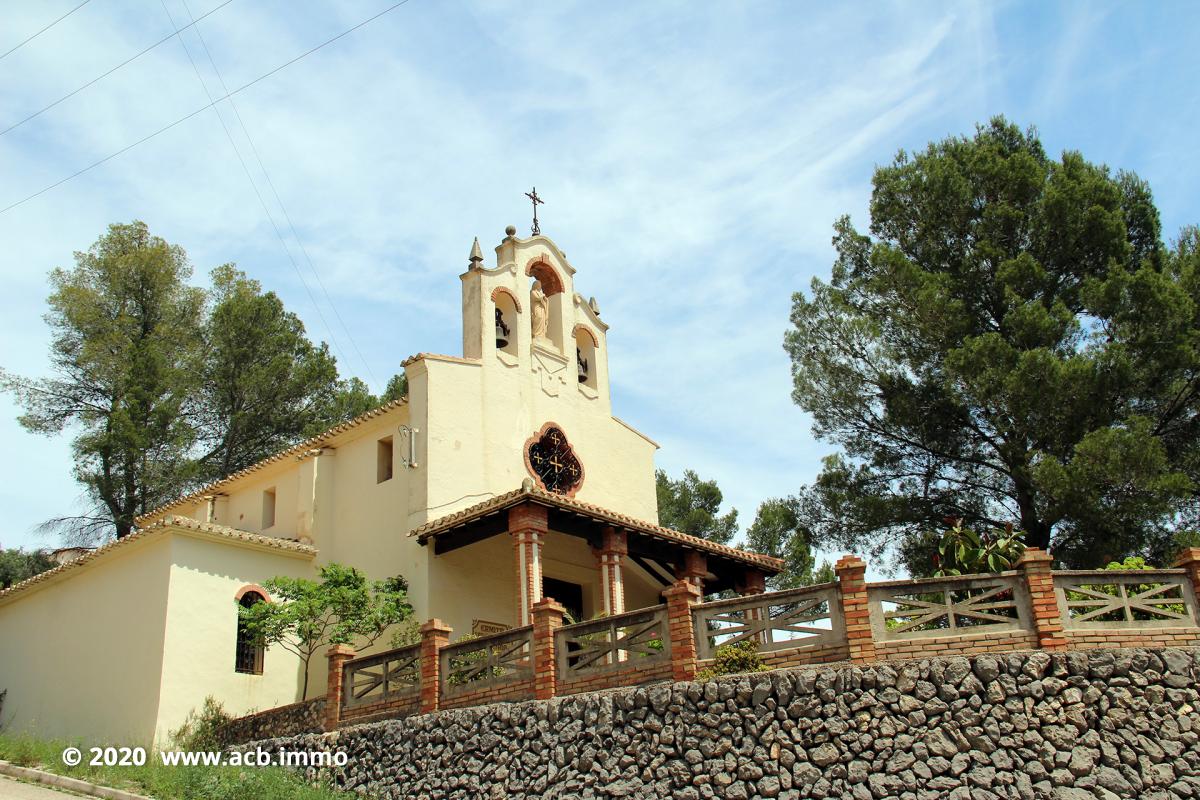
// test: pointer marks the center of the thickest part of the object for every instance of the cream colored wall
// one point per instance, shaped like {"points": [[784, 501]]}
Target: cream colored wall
{"points": [[474, 582], [201, 630], [81, 657], [479, 581], [479, 416]]}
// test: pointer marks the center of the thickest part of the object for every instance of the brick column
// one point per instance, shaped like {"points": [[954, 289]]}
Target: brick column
{"points": [[1043, 602], [694, 568], [527, 525], [435, 635], [609, 556], [338, 655], [547, 618], [754, 582], [1189, 559], [681, 596], [856, 612]]}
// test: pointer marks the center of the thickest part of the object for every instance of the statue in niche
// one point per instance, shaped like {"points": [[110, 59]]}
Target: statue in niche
{"points": [[539, 311]]}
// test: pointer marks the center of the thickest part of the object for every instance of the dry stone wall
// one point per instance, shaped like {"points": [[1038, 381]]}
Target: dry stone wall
{"points": [[1075, 725], [297, 718]]}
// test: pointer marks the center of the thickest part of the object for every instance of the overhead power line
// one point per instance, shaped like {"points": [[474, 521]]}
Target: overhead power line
{"points": [[21, 44], [99, 78], [279, 200], [253, 184], [200, 110]]}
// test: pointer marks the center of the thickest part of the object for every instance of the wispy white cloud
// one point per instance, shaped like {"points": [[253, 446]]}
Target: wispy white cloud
{"points": [[693, 156]]}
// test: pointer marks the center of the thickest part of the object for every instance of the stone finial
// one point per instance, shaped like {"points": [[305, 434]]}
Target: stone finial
{"points": [[594, 306], [511, 230], [476, 255]]}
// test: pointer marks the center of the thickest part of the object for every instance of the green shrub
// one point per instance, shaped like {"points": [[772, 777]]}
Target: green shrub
{"points": [[734, 659], [406, 634], [203, 730]]}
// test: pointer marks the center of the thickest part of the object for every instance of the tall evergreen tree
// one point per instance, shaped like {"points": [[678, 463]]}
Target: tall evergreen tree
{"points": [[168, 387], [1011, 343], [778, 530], [691, 505], [125, 335], [264, 384]]}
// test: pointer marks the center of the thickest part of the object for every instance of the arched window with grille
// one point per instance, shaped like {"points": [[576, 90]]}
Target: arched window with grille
{"points": [[248, 657]]}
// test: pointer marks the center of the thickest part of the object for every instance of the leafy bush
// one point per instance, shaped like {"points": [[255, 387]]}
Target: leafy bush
{"points": [[406, 634], [962, 551], [203, 730], [733, 659], [462, 664]]}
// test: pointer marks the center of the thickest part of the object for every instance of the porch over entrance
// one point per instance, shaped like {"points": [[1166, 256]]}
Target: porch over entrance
{"points": [[601, 562]]}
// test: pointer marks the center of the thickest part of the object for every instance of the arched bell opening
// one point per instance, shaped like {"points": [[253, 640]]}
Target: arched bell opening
{"points": [[586, 349], [507, 327]]}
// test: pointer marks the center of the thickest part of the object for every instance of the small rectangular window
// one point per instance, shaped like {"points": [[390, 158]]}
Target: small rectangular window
{"points": [[268, 511], [383, 460]]}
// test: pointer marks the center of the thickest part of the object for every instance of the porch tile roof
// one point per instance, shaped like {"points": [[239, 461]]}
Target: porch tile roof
{"points": [[530, 492], [217, 532]]}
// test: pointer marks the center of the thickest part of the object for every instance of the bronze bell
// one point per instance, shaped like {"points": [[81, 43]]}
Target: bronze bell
{"points": [[583, 366], [501, 330]]}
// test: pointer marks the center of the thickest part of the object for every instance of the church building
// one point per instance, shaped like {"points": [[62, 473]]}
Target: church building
{"points": [[501, 478]]}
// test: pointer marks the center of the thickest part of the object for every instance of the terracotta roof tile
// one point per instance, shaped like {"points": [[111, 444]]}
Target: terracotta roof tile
{"points": [[307, 444], [529, 491], [171, 521]]}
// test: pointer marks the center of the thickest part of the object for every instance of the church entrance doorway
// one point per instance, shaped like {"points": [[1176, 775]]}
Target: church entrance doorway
{"points": [[569, 595]]}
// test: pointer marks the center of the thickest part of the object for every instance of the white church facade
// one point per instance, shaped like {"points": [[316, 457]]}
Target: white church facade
{"points": [[501, 478]]}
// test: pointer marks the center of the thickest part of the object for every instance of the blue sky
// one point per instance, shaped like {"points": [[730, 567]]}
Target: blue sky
{"points": [[693, 157]]}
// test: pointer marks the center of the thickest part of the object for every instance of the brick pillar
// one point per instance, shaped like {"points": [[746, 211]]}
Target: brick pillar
{"points": [[754, 582], [681, 596], [856, 612], [338, 655], [612, 581], [1189, 559], [694, 568], [547, 618], [1043, 602], [435, 635], [527, 525]]}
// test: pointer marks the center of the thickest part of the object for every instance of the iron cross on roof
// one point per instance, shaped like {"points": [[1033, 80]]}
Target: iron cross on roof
{"points": [[537, 201]]}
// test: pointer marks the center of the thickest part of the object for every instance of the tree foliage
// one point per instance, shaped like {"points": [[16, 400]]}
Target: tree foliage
{"points": [[305, 616], [264, 383], [692, 506], [1011, 343], [778, 531], [168, 387], [962, 551], [20, 565], [125, 334]]}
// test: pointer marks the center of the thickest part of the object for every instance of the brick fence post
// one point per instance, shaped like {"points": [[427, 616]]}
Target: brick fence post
{"points": [[856, 610], [338, 655], [1036, 564], [1189, 559], [435, 635], [547, 618], [681, 596]]}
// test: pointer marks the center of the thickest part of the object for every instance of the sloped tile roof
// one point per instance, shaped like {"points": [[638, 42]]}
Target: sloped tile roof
{"points": [[528, 491], [218, 532], [295, 450]]}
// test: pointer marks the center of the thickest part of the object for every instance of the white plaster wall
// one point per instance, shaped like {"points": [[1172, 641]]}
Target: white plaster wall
{"points": [[201, 631], [81, 657]]}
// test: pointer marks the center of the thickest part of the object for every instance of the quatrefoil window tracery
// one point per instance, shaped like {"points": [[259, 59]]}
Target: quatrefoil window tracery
{"points": [[552, 460]]}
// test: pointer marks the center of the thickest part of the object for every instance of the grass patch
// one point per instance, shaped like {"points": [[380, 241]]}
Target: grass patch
{"points": [[167, 783]]}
